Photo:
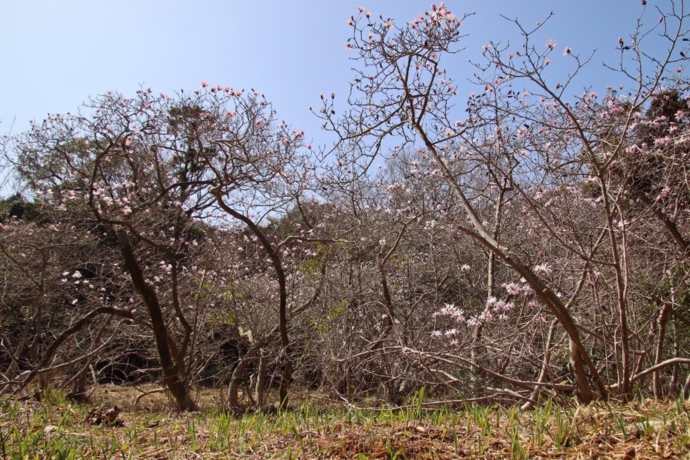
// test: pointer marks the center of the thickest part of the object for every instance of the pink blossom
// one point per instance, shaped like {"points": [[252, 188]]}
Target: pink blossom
{"points": [[512, 288], [542, 269], [551, 44], [472, 322]]}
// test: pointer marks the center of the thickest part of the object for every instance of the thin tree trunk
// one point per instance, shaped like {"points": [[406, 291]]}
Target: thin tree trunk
{"points": [[261, 381], [490, 275], [663, 319], [235, 381], [544, 368], [619, 262]]}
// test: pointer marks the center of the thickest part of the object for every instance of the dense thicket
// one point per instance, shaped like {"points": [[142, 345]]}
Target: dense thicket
{"points": [[536, 245]]}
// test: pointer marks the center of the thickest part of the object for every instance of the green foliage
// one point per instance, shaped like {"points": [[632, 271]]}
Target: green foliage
{"points": [[324, 323], [16, 207]]}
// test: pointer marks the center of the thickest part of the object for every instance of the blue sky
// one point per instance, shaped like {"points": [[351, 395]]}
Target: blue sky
{"points": [[54, 54]]}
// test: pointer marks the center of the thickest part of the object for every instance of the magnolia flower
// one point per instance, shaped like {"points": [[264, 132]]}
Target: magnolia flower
{"points": [[472, 322], [551, 44], [566, 51], [542, 269], [512, 288]]}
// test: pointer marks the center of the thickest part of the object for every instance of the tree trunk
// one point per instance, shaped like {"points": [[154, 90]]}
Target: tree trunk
{"points": [[663, 319], [476, 376], [79, 393], [171, 377], [544, 370], [235, 381], [261, 381]]}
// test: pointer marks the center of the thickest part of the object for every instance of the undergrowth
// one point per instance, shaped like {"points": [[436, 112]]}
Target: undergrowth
{"points": [[55, 428]]}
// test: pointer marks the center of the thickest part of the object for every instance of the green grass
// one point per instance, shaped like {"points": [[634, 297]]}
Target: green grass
{"points": [[55, 428]]}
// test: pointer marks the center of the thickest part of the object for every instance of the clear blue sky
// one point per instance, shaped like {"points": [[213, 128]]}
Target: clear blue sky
{"points": [[54, 54]]}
